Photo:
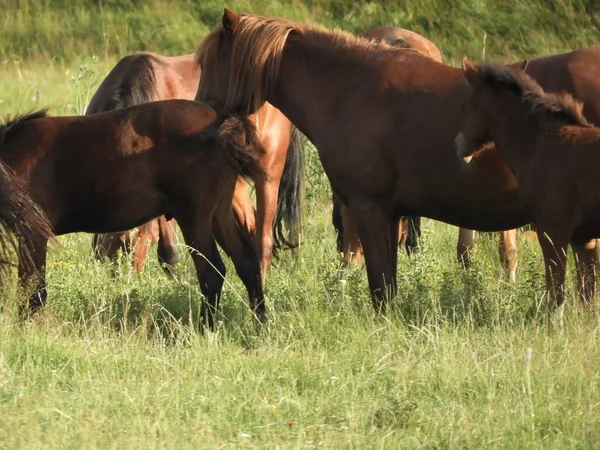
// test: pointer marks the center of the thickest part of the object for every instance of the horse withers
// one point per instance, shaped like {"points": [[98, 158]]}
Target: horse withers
{"points": [[145, 77], [552, 150], [114, 171]]}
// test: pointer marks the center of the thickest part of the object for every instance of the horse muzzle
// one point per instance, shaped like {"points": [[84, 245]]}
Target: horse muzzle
{"points": [[460, 146]]}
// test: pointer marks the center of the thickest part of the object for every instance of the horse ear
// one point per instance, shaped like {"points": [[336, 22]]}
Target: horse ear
{"points": [[469, 69], [230, 21]]}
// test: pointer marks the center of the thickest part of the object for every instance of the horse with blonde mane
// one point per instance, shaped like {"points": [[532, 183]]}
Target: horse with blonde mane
{"points": [[145, 77], [550, 147], [383, 120]]}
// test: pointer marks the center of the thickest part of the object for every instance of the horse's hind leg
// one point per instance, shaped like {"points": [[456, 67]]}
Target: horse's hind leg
{"points": [[32, 273], [507, 250], [586, 262], [353, 249], [210, 269], [238, 245], [243, 209], [168, 256], [413, 234]]}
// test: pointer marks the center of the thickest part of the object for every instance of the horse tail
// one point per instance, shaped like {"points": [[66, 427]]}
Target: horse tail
{"points": [[241, 147], [22, 221], [289, 200]]}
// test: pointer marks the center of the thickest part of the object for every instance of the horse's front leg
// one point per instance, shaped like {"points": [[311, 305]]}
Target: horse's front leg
{"points": [[554, 242], [267, 191], [507, 249], [586, 262], [379, 236], [168, 256], [32, 273]]}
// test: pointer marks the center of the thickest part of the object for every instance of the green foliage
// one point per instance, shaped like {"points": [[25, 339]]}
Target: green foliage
{"points": [[464, 360], [509, 29]]}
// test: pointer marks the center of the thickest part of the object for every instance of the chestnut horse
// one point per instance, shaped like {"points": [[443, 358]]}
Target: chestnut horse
{"points": [[146, 77], [410, 228], [113, 171], [552, 150], [383, 120]]}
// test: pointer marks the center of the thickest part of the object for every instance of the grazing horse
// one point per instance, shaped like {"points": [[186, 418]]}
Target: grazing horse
{"points": [[146, 77], [176, 158], [552, 150], [356, 100], [410, 228]]}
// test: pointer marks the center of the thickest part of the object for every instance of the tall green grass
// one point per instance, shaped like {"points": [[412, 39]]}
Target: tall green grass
{"points": [[464, 360]]}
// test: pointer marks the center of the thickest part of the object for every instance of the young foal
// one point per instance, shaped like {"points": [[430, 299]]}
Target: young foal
{"points": [[550, 147], [114, 171], [146, 77]]}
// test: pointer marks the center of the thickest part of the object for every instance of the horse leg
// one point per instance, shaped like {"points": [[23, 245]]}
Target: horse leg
{"points": [[397, 230], [466, 238], [374, 229], [210, 269], [145, 235], [507, 249], [32, 273], [586, 262], [267, 192], [353, 250], [337, 221], [413, 234], [168, 256], [554, 247], [108, 245], [240, 248], [243, 209]]}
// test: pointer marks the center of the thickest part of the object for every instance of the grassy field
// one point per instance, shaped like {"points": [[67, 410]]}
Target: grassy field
{"points": [[464, 360]]}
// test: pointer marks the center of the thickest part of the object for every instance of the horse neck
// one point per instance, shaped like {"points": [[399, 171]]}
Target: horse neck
{"points": [[311, 79], [514, 130]]}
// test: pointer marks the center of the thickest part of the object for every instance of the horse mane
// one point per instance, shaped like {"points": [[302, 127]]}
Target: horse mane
{"points": [[139, 81], [560, 106], [258, 49], [12, 123]]}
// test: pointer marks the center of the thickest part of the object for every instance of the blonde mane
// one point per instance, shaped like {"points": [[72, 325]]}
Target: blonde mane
{"points": [[257, 52]]}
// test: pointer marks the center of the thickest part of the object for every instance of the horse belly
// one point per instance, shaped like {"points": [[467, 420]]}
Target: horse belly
{"points": [[112, 214]]}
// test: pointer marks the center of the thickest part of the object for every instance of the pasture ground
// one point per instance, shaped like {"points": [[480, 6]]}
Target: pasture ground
{"points": [[465, 360]]}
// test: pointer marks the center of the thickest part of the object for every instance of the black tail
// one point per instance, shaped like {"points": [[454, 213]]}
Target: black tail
{"points": [[21, 219], [240, 146], [291, 193]]}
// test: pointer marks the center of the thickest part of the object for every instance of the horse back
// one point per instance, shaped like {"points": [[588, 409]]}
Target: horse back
{"points": [[576, 72]]}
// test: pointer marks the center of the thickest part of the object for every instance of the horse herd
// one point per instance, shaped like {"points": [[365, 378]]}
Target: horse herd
{"points": [[394, 127]]}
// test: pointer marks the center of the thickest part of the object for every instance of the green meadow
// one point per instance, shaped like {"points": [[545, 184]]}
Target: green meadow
{"points": [[464, 360]]}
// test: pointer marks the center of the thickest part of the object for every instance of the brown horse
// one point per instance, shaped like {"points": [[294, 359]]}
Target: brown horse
{"points": [[383, 120], [146, 77], [552, 150], [176, 158], [410, 228]]}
